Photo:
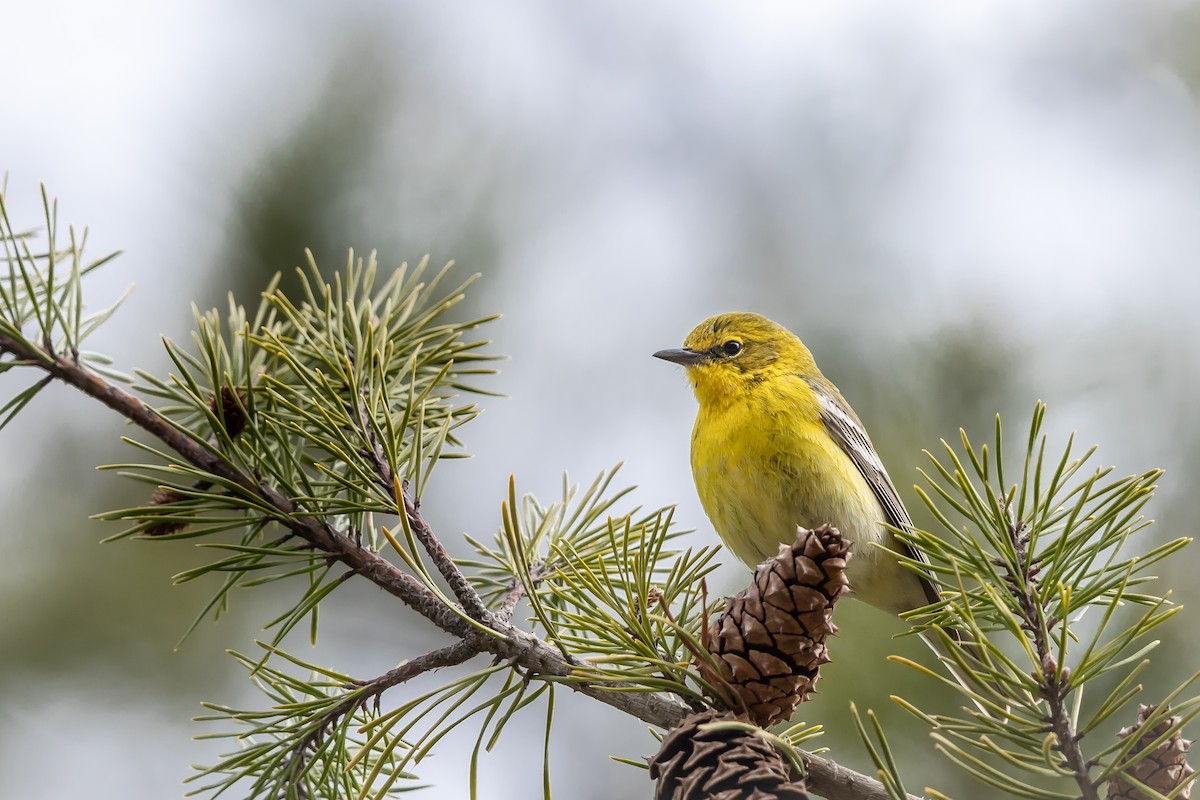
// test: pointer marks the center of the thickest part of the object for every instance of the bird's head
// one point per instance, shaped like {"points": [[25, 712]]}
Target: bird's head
{"points": [[727, 355]]}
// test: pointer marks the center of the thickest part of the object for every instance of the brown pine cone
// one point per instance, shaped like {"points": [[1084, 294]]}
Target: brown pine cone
{"points": [[695, 764], [165, 497], [770, 641], [229, 405], [1163, 769]]}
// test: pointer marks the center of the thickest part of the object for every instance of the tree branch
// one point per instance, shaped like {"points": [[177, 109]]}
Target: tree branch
{"points": [[825, 777], [453, 576], [365, 691], [1053, 681], [458, 582]]}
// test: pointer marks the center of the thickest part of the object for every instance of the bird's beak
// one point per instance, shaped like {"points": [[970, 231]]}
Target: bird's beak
{"points": [[684, 357]]}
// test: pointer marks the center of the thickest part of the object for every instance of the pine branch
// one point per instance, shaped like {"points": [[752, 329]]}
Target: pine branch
{"points": [[366, 691], [1053, 681], [1035, 557], [454, 577], [825, 777], [320, 535], [330, 440], [510, 643], [458, 582]]}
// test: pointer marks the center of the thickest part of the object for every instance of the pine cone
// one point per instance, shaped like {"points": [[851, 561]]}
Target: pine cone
{"points": [[229, 405], [695, 764], [1163, 769], [165, 497], [770, 641]]}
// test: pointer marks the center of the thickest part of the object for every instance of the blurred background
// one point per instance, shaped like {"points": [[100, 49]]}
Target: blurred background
{"points": [[962, 208]]}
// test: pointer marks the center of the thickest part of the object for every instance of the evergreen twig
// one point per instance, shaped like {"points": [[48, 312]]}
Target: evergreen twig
{"points": [[1032, 559], [363, 692]]}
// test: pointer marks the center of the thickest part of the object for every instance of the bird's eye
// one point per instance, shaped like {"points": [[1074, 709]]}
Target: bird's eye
{"points": [[731, 348]]}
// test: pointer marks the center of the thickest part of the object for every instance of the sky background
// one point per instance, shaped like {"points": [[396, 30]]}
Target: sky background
{"points": [[962, 209]]}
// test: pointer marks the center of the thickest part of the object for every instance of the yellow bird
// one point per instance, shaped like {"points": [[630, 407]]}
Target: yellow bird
{"points": [[775, 445]]}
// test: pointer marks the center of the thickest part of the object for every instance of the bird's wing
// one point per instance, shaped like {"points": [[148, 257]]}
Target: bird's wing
{"points": [[844, 426]]}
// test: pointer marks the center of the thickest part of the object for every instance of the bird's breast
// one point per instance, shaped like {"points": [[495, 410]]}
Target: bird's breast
{"points": [[764, 466]]}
